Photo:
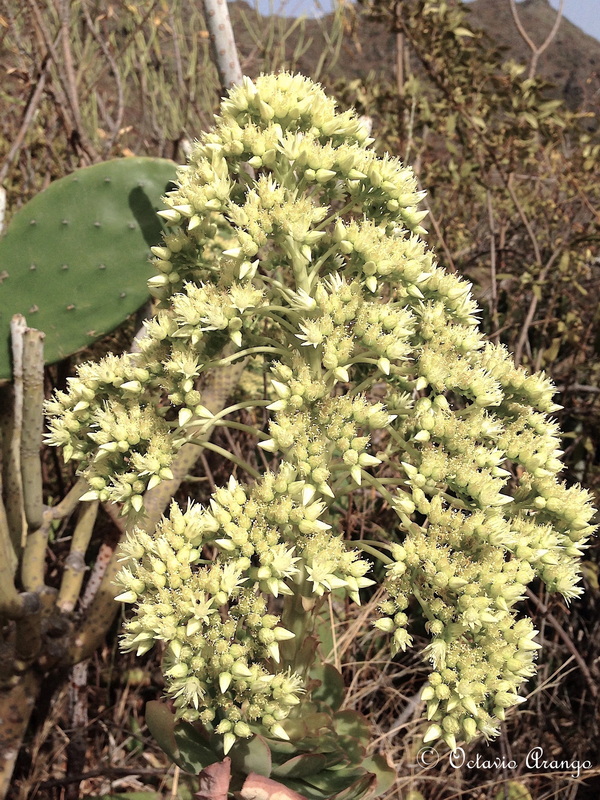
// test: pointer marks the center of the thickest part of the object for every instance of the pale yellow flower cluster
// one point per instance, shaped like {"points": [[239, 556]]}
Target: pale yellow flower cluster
{"points": [[312, 266]]}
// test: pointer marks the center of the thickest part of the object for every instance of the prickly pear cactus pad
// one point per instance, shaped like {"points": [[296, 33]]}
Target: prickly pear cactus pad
{"points": [[74, 260], [312, 265]]}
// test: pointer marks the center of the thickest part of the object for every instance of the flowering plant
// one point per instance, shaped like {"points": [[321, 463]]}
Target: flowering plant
{"points": [[294, 248]]}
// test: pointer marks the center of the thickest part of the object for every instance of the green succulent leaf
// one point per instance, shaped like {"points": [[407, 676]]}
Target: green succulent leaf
{"points": [[161, 724], [353, 724], [300, 766], [310, 792], [357, 790], [331, 690], [384, 772], [181, 742], [127, 796], [310, 724], [338, 780], [280, 747], [251, 755], [195, 752], [354, 732], [305, 655]]}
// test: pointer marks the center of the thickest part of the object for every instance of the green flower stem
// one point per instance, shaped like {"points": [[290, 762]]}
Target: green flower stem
{"points": [[373, 551], [407, 523], [343, 486], [239, 426], [362, 359], [285, 291], [340, 468], [222, 362], [454, 501], [403, 444], [320, 262], [366, 384], [422, 603], [239, 407], [336, 215], [300, 272], [284, 324], [268, 310], [229, 456], [75, 567], [276, 285], [377, 543], [314, 356]]}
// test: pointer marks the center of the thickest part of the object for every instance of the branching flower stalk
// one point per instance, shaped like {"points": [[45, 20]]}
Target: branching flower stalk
{"points": [[315, 271]]}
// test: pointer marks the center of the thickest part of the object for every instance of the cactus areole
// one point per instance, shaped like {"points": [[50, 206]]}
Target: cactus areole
{"points": [[74, 260], [312, 267]]}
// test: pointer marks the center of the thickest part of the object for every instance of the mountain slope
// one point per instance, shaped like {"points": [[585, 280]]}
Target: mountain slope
{"points": [[571, 62]]}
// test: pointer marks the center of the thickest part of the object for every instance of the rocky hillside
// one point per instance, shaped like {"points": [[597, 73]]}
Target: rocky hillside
{"points": [[571, 62]]}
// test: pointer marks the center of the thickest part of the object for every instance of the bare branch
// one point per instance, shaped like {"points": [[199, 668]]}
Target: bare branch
{"points": [[536, 50]]}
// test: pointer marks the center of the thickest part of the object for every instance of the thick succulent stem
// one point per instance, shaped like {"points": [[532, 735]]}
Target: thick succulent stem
{"points": [[75, 563], [33, 420], [299, 616], [32, 568], [67, 505], [34, 556], [10, 601], [16, 705], [11, 410], [15, 446]]}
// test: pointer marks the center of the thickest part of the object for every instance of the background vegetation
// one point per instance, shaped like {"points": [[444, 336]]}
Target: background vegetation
{"points": [[511, 166]]}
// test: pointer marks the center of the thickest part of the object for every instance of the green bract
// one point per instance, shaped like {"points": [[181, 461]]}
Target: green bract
{"points": [[293, 244]]}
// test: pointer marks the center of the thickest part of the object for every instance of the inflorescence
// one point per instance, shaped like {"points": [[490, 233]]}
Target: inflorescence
{"points": [[291, 243]]}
